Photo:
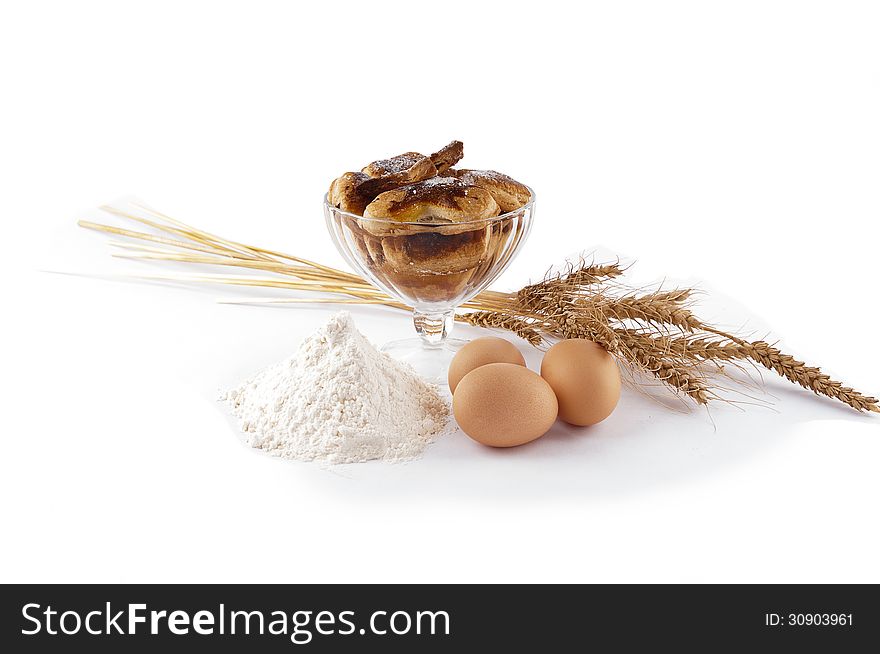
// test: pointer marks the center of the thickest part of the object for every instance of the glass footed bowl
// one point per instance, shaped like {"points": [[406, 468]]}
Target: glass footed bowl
{"points": [[432, 268]]}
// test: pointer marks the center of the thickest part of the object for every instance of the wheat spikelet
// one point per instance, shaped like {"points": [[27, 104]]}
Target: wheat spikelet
{"points": [[498, 320], [671, 372], [690, 347], [535, 296], [655, 308], [633, 351], [586, 275], [808, 376]]}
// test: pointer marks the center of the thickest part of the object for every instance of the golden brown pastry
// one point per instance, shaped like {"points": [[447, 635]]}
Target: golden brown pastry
{"points": [[346, 193], [410, 257], [413, 166], [508, 193], [352, 192], [437, 200], [424, 227], [447, 156]]}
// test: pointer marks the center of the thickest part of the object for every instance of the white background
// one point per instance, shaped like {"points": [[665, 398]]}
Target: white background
{"points": [[732, 145]]}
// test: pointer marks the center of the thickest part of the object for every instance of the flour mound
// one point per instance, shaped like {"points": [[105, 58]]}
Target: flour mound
{"points": [[339, 400]]}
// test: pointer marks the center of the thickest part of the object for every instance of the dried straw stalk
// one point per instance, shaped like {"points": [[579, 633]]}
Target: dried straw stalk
{"points": [[656, 332]]}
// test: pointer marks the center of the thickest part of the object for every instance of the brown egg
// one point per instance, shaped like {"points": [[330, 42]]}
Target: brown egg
{"points": [[478, 353], [585, 378], [503, 405]]}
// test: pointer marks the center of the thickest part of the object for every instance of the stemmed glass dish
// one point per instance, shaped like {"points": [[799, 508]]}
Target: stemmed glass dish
{"points": [[430, 267]]}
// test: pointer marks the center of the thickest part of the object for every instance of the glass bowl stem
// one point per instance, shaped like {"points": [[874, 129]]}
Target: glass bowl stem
{"points": [[433, 326]]}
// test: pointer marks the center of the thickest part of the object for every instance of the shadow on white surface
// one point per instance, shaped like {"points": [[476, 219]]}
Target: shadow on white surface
{"points": [[643, 446]]}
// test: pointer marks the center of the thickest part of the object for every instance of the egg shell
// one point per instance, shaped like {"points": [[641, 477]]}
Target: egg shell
{"points": [[585, 378], [504, 405], [479, 352]]}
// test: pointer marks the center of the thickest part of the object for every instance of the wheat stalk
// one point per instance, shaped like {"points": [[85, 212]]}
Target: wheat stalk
{"points": [[583, 300], [633, 351], [656, 308], [498, 320], [809, 377]]}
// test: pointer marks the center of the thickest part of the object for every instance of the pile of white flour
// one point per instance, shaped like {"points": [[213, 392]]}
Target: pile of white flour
{"points": [[339, 400]]}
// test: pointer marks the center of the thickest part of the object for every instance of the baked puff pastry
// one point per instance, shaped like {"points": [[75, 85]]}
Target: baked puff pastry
{"points": [[412, 165], [447, 156], [425, 227], [352, 192], [435, 201], [508, 193], [426, 187]]}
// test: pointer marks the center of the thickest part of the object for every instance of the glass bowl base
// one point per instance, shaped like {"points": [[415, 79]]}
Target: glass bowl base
{"points": [[430, 361]]}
